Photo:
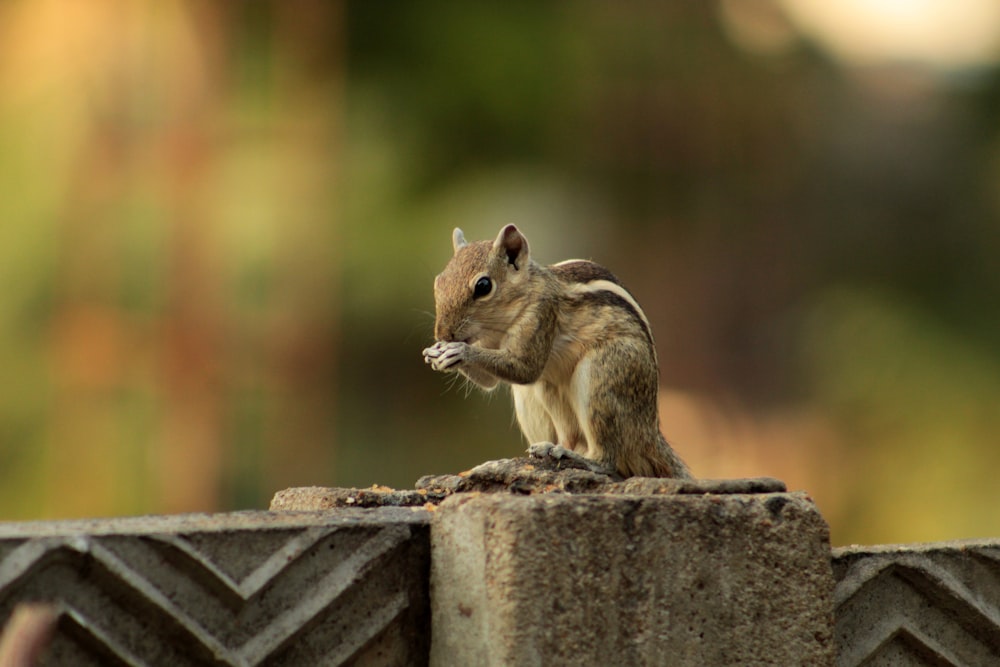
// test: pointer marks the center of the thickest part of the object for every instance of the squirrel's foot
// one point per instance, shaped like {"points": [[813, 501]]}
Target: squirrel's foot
{"points": [[443, 356], [541, 450]]}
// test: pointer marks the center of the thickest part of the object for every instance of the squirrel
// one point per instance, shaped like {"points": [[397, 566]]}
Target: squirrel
{"points": [[572, 342]]}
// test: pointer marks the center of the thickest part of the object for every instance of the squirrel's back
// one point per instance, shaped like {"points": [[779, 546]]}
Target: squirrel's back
{"points": [[604, 318]]}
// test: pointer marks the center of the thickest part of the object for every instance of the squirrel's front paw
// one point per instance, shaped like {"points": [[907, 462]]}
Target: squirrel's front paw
{"points": [[442, 356]]}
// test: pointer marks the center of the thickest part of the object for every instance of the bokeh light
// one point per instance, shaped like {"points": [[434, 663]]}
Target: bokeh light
{"points": [[220, 222]]}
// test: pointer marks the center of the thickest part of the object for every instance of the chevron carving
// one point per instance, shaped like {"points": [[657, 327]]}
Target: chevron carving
{"points": [[917, 605], [258, 594]]}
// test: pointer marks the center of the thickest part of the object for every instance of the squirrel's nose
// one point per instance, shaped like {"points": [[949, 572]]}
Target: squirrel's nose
{"points": [[443, 334]]}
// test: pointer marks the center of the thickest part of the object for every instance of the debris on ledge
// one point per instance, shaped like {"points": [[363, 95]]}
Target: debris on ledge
{"points": [[526, 476]]}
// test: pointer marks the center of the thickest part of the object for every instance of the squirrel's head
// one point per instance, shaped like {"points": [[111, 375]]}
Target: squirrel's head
{"points": [[479, 292]]}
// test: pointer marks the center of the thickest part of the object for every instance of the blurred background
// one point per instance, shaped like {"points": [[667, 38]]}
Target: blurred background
{"points": [[220, 222]]}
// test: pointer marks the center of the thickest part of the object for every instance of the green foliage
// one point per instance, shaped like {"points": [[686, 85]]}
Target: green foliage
{"points": [[220, 225]]}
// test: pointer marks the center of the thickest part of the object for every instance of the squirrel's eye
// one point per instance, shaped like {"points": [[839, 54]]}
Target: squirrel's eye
{"points": [[483, 287]]}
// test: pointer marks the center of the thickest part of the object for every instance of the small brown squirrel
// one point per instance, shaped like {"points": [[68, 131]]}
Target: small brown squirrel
{"points": [[571, 341]]}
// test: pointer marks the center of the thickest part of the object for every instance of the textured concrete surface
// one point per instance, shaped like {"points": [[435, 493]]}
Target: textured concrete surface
{"points": [[918, 604], [546, 475], [317, 498], [249, 588], [520, 475], [535, 563], [631, 580]]}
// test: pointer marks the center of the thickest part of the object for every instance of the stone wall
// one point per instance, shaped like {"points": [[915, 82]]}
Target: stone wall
{"points": [[254, 588], [923, 604], [566, 570]]}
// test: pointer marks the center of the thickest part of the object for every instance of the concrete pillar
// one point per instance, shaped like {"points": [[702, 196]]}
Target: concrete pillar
{"points": [[740, 579]]}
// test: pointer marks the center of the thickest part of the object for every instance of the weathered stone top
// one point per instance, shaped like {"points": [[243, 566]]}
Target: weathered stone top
{"points": [[525, 476], [921, 548], [207, 523]]}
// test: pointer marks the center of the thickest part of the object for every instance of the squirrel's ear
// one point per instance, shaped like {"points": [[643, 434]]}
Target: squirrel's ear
{"points": [[511, 242], [458, 240]]}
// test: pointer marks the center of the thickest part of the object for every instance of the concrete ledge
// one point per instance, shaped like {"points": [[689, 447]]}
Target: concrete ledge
{"points": [[246, 588], [533, 563], [600, 580], [923, 604], [522, 476]]}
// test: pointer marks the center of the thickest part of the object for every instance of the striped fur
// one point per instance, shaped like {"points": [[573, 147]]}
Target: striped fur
{"points": [[570, 339]]}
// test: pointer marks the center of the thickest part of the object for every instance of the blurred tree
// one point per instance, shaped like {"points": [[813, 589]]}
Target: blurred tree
{"points": [[220, 225], [737, 188], [192, 283]]}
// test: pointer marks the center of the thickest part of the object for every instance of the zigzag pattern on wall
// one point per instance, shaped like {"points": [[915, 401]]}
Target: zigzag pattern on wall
{"points": [[295, 595], [937, 605]]}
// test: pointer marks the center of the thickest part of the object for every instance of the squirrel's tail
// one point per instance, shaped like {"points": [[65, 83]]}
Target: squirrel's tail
{"points": [[660, 460], [668, 464]]}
